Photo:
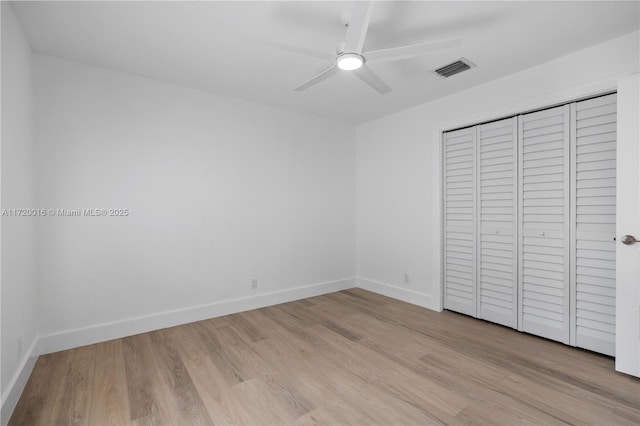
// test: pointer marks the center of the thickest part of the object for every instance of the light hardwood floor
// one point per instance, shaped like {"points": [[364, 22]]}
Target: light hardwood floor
{"points": [[352, 357]]}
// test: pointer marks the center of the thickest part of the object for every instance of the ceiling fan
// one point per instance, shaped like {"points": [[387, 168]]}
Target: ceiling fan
{"points": [[351, 57]]}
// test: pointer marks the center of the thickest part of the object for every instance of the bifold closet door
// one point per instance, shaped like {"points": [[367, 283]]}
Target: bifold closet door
{"points": [[497, 161], [544, 223], [593, 196], [459, 171]]}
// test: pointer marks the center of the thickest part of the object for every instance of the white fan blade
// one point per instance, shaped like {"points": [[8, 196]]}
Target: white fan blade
{"points": [[299, 50], [358, 25], [318, 78], [395, 53], [365, 74]]}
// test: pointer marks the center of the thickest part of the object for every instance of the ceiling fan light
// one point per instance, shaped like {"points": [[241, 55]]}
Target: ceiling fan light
{"points": [[350, 61]]}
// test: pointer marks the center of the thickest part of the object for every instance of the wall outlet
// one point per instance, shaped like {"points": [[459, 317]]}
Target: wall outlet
{"points": [[19, 345], [254, 284], [407, 278]]}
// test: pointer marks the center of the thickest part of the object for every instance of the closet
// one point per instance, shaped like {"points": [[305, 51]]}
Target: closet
{"points": [[529, 222]]}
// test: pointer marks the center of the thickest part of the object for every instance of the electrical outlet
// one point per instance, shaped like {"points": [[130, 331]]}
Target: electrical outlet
{"points": [[19, 345], [407, 278], [254, 284]]}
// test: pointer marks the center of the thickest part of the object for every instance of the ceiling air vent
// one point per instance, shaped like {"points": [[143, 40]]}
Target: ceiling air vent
{"points": [[454, 68]]}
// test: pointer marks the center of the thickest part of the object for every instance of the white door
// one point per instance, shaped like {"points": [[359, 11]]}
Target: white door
{"points": [[544, 223], [628, 223], [593, 211], [497, 273], [460, 221]]}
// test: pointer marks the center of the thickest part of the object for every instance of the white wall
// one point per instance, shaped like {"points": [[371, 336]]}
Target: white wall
{"points": [[19, 313], [220, 191], [398, 163]]}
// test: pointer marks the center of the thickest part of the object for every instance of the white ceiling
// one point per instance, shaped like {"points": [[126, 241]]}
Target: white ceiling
{"points": [[231, 47]]}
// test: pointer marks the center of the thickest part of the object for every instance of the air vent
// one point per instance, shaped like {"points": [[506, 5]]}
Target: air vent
{"points": [[454, 68]]}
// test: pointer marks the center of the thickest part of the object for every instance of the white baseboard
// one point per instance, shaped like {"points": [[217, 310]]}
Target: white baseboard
{"points": [[18, 382], [400, 293], [74, 338]]}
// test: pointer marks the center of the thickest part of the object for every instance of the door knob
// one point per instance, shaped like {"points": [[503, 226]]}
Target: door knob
{"points": [[629, 240]]}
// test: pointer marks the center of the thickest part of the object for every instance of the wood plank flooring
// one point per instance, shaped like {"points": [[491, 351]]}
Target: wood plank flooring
{"points": [[352, 357]]}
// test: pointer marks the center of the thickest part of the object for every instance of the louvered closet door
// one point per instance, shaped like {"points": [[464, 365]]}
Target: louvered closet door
{"points": [[594, 204], [459, 218], [545, 223], [497, 217]]}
